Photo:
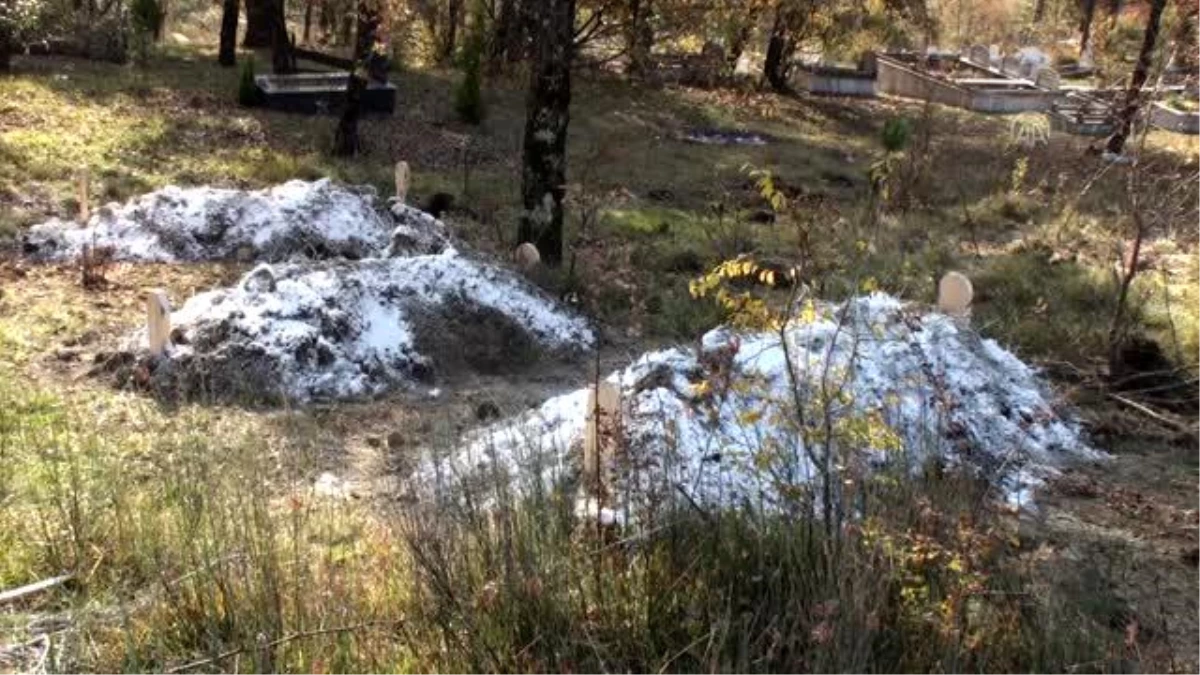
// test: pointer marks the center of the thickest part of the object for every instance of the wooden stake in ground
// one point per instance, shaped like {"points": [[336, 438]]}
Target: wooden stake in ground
{"points": [[158, 321], [954, 294], [402, 176], [83, 194], [601, 433]]}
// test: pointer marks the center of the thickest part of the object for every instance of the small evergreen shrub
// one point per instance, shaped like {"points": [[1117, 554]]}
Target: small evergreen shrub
{"points": [[146, 18], [248, 94], [896, 134]]}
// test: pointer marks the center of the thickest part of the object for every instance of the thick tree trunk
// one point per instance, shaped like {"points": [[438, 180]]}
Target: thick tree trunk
{"points": [[779, 50], [259, 23], [326, 21], [547, 114], [518, 36], [1039, 11], [505, 23], [7, 47], [450, 37], [229, 21], [1141, 72], [1085, 26], [345, 140], [283, 61], [639, 37]]}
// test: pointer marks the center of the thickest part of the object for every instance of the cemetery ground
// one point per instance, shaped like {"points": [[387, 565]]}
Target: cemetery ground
{"points": [[235, 537]]}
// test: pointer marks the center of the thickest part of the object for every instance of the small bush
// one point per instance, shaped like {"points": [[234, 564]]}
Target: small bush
{"points": [[247, 88], [896, 134], [146, 18]]}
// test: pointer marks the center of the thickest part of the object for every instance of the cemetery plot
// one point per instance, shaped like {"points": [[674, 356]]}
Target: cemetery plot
{"points": [[372, 298], [312, 219], [917, 385], [322, 93]]}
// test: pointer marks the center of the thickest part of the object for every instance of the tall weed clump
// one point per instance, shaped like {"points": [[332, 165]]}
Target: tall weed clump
{"points": [[189, 541], [146, 18], [248, 94]]}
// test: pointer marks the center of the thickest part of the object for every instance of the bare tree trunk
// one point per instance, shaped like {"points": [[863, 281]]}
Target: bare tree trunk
{"points": [[518, 36], [1085, 27], [639, 37], [547, 109], [345, 140], [7, 47], [779, 49], [283, 61], [227, 55], [326, 22], [1039, 11], [308, 13], [259, 23], [505, 19], [1141, 72], [450, 37]]}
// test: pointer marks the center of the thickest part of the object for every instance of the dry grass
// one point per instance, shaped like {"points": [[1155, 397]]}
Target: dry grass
{"points": [[195, 533]]}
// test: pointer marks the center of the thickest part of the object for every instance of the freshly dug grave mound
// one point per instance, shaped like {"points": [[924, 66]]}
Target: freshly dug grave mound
{"points": [[719, 422], [316, 220], [349, 329]]}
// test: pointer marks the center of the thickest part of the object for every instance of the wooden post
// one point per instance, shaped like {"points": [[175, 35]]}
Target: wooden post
{"points": [[158, 321], [83, 194], [402, 177], [601, 433]]}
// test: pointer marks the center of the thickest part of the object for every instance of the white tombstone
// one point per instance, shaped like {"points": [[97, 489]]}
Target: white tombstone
{"points": [[1032, 59], [1011, 65], [526, 256], [402, 176], [83, 194], [158, 321], [979, 55], [954, 294], [602, 431], [1048, 78]]}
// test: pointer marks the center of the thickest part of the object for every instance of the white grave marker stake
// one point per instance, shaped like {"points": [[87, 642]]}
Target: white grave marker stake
{"points": [[603, 421], [82, 194], [402, 176], [158, 321]]}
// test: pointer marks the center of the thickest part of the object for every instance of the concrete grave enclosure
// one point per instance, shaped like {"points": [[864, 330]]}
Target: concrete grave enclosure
{"points": [[984, 80]]}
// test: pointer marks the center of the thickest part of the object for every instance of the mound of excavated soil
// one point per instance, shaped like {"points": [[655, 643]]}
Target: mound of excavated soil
{"points": [[316, 220], [901, 385], [370, 298], [337, 330]]}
